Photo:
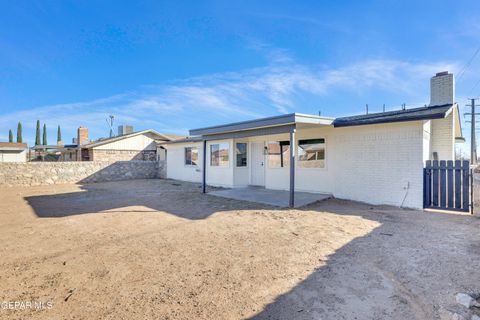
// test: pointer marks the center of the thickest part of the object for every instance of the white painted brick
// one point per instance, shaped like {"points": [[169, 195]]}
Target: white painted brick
{"points": [[442, 89]]}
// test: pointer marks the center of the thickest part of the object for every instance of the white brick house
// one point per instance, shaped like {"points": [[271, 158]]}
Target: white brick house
{"points": [[375, 158]]}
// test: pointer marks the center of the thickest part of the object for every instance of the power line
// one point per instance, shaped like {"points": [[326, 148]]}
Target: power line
{"points": [[460, 75], [473, 88]]}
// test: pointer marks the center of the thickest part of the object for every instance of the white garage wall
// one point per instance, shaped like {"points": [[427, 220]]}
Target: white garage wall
{"points": [[427, 140], [379, 164]]}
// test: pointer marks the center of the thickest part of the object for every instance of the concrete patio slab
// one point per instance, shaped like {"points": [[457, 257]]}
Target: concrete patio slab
{"points": [[279, 198]]}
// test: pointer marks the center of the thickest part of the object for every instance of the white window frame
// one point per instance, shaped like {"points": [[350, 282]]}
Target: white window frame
{"points": [[210, 155], [185, 157], [246, 150], [297, 160], [267, 155]]}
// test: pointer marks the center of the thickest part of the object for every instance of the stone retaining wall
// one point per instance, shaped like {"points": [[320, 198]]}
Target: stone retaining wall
{"points": [[162, 169], [45, 173]]}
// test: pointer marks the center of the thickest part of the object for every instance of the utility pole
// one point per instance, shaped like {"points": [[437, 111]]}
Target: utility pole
{"points": [[473, 140]]}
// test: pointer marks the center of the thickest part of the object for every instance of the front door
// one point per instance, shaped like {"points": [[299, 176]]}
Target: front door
{"points": [[257, 173]]}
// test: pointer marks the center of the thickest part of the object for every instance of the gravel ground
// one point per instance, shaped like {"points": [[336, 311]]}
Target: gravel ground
{"points": [[159, 249]]}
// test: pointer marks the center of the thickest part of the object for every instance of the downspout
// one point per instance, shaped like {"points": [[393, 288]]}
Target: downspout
{"points": [[204, 167], [292, 167]]}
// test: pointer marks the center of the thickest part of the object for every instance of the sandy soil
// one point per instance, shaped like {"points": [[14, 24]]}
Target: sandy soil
{"points": [[153, 249]]}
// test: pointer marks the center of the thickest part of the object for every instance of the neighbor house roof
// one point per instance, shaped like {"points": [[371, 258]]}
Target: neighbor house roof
{"points": [[423, 113], [125, 136], [58, 147], [12, 146], [286, 119]]}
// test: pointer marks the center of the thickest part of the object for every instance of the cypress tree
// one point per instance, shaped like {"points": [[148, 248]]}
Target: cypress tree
{"points": [[19, 133], [59, 134], [10, 136], [44, 134], [37, 134]]}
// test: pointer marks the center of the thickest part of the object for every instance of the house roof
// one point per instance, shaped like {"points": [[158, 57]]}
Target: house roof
{"points": [[125, 136], [13, 146], [262, 123], [55, 147], [175, 136], [423, 113], [181, 140], [280, 122]]}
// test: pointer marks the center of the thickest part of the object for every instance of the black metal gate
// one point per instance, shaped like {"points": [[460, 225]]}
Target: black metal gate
{"points": [[447, 185]]}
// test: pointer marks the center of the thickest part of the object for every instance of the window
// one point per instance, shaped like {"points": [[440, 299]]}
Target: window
{"points": [[241, 151], [278, 154], [311, 153], [219, 154], [191, 156]]}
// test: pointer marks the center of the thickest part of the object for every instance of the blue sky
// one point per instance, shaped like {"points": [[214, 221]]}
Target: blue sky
{"points": [[177, 65]]}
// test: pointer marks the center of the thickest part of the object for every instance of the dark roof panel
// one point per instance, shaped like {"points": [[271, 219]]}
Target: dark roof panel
{"points": [[262, 123], [423, 113]]}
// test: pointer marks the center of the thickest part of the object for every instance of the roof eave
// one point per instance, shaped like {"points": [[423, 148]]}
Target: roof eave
{"points": [[383, 121], [13, 149], [282, 120]]}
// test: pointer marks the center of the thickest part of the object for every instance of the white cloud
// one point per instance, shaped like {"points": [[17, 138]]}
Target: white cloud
{"points": [[231, 96]]}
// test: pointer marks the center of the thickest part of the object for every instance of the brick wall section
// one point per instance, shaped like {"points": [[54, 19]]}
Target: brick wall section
{"points": [[47, 173], [124, 155], [442, 89]]}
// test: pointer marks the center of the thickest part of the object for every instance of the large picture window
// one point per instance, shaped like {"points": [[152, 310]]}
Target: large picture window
{"points": [[311, 153], [191, 156], [241, 152], [278, 154], [219, 154]]}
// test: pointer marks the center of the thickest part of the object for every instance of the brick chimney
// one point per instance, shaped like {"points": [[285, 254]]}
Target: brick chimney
{"points": [[82, 136], [442, 89]]}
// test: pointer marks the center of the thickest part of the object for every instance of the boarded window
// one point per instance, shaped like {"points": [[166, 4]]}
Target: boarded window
{"points": [[191, 156], [278, 154], [311, 153], [219, 155], [241, 152]]}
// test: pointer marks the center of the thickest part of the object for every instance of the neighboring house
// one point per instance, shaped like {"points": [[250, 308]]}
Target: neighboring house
{"points": [[13, 152], [376, 158], [140, 145], [132, 146], [60, 152]]}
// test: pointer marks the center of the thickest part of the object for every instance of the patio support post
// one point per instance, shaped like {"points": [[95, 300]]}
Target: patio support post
{"points": [[292, 166], [204, 167]]}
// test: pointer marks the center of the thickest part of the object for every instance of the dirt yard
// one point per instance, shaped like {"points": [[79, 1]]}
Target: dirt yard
{"points": [[157, 249]]}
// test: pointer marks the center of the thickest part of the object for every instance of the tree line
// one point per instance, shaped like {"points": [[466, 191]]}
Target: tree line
{"points": [[38, 142]]}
